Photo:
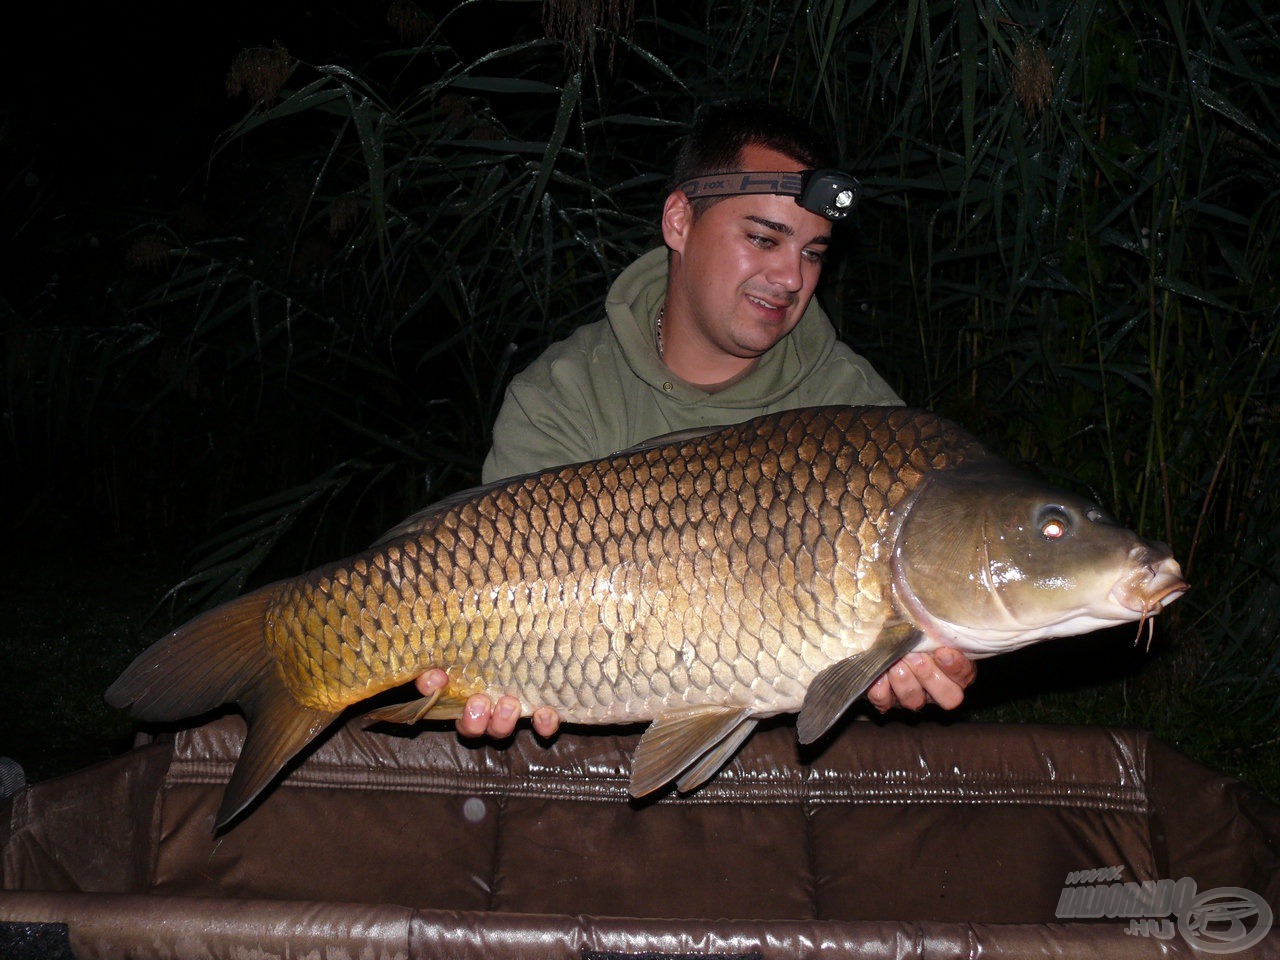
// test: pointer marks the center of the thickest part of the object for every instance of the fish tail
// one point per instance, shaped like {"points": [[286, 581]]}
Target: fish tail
{"points": [[278, 727], [203, 664], [219, 657]]}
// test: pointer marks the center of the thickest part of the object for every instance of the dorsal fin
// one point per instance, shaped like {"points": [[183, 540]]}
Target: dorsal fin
{"points": [[417, 523], [675, 436]]}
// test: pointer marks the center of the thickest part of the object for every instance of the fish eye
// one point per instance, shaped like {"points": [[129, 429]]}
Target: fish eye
{"points": [[1054, 524]]}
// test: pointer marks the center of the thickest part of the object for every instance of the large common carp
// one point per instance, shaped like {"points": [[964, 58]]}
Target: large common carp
{"points": [[701, 581]]}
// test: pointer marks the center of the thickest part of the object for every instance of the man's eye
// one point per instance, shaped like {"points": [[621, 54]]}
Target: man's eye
{"points": [[816, 256], [761, 241]]}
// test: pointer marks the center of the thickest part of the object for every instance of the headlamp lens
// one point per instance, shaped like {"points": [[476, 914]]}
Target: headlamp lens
{"points": [[829, 193]]}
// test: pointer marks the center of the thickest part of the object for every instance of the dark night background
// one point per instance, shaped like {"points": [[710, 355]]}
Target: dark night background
{"points": [[1127, 347], [109, 118]]}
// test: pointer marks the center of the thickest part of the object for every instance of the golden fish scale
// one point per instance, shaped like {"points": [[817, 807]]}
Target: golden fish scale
{"points": [[728, 569]]}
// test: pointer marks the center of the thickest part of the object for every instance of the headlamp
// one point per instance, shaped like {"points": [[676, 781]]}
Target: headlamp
{"points": [[828, 193]]}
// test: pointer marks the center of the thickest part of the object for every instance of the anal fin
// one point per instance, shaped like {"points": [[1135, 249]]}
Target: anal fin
{"points": [[437, 706], [833, 690], [694, 741]]}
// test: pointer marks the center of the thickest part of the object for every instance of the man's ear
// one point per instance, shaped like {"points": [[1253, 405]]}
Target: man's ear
{"points": [[677, 218]]}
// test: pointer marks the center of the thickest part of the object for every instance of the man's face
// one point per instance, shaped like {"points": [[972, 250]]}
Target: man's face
{"points": [[745, 269]]}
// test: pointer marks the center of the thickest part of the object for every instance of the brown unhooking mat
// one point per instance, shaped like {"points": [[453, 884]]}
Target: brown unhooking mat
{"points": [[889, 840]]}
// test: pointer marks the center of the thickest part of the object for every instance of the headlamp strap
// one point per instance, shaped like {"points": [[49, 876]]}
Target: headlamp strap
{"points": [[828, 193]]}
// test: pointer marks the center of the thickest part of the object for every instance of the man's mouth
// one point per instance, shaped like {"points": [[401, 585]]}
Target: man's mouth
{"points": [[774, 311]]}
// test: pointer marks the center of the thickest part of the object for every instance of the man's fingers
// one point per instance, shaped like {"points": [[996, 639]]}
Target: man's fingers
{"points": [[935, 684], [503, 721], [482, 717], [546, 722], [956, 665], [920, 678], [905, 685], [431, 681], [880, 693], [474, 721]]}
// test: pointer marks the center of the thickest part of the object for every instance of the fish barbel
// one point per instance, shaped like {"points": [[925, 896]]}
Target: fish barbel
{"points": [[701, 581]]}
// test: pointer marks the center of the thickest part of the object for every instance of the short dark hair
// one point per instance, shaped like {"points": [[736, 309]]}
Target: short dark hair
{"points": [[721, 131]]}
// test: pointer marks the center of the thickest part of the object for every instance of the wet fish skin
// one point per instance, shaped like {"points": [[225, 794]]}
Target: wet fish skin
{"points": [[617, 589], [701, 582]]}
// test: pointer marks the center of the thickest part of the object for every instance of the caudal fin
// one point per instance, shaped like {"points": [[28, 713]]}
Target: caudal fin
{"points": [[200, 666], [220, 657], [279, 727]]}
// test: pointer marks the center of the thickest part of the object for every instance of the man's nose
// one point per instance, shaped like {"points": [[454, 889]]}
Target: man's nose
{"points": [[786, 271]]}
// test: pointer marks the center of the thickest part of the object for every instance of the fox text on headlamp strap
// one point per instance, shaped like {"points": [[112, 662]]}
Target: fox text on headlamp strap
{"points": [[828, 193]]}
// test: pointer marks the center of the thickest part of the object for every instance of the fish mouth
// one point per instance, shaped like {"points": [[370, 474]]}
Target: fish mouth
{"points": [[1154, 582]]}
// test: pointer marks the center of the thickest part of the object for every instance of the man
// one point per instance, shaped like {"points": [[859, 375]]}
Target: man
{"points": [[718, 327]]}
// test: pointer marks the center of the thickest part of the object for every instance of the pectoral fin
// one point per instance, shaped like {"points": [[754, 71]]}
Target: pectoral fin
{"points": [[434, 707], [694, 742], [835, 688]]}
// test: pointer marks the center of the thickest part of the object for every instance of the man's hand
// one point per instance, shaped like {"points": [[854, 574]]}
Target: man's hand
{"points": [[481, 716], [912, 682], [921, 678]]}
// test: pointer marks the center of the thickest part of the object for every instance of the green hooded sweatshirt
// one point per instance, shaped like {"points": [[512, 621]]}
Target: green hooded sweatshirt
{"points": [[604, 389]]}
